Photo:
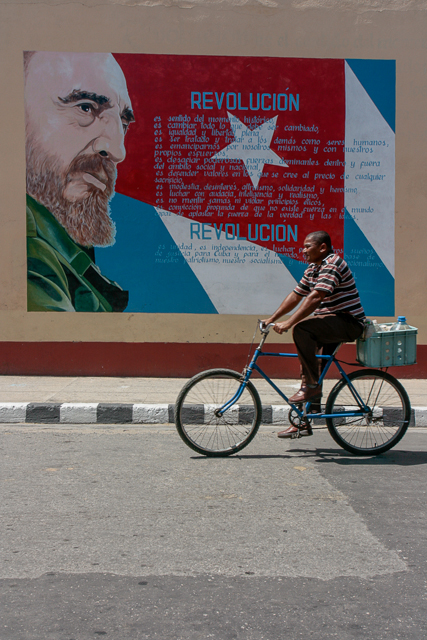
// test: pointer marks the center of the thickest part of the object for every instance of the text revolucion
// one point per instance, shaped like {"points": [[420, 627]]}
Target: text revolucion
{"points": [[253, 102], [263, 232]]}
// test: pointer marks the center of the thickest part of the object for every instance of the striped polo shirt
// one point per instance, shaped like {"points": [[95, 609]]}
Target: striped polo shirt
{"points": [[333, 276]]}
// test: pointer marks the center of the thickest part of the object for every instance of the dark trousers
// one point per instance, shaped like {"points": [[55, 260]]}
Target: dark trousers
{"points": [[322, 331]]}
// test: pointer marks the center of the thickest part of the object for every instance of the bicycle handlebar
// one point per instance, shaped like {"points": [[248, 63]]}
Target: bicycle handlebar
{"points": [[265, 329]]}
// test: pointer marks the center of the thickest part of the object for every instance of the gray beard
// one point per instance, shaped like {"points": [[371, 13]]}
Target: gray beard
{"points": [[87, 222]]}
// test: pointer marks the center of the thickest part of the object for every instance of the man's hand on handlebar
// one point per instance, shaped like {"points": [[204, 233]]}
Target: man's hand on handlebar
{"points": [[279, 327], [265, 325]]}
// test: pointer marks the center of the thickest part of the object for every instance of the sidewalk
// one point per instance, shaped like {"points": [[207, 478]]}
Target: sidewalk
{"points": [[87, 400]]}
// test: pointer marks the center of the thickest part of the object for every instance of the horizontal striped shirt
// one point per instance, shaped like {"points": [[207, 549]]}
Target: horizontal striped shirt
{"points": [[333, 276]]}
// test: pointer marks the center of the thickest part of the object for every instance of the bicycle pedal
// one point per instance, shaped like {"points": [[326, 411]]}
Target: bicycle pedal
{"points": [[308, 431]]}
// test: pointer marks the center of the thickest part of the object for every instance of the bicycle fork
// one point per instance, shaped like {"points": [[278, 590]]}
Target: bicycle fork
{"points": [[246, 374]]}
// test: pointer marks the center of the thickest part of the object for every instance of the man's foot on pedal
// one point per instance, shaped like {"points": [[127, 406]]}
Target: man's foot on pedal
{"points": [[306, 393], [294, 432]]}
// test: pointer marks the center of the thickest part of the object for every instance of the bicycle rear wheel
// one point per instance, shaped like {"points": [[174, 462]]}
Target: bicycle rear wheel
{"points": [[387, 420], [198, 422]]}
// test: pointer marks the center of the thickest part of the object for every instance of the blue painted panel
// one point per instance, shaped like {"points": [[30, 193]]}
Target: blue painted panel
{"points": [[378, 78], [160, 281], [146, 261], [373, 280]]}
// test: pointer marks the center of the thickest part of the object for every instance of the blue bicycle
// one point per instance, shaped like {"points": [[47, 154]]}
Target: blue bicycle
{"points": [[218, 412]]}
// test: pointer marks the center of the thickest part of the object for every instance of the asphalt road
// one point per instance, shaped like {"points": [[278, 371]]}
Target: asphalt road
{"points": [[124, 532]]}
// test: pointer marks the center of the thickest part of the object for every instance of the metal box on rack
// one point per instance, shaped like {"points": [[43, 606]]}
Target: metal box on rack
{"points": [[388, 348]]}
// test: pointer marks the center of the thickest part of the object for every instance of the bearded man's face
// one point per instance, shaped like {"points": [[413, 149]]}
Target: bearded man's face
{"points": [[77, 114]]}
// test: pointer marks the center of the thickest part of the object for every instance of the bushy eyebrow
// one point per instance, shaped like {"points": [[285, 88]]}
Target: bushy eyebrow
{"points": [[77, 95], [103, 101]]}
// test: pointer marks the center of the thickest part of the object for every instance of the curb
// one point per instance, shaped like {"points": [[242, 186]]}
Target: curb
{"points": [[109, 413]]}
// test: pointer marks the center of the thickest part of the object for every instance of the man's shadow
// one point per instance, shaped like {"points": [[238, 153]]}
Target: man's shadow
{"points": [[393, 457]]}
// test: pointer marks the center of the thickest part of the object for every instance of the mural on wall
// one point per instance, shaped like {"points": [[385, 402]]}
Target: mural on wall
{"points": [[230, 163]]}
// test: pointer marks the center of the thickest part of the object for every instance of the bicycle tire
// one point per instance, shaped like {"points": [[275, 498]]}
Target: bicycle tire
{"points": [[387, 421], [207, 433]]}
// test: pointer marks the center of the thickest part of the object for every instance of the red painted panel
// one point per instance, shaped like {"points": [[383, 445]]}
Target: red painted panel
{"points": [[157, 360], [183, 106]]}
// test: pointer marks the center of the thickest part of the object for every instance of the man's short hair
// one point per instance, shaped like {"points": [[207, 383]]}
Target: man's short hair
{"points": [[321, 237]]}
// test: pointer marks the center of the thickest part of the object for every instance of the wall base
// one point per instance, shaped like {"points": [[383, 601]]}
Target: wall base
{"points": [[167, 360]]}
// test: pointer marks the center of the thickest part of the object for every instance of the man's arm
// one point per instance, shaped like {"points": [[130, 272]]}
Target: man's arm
{"points": [[289, 303], [310, 304]]}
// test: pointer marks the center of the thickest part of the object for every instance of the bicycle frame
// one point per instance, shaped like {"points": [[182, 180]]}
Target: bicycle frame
{"points": [[253, 366]]}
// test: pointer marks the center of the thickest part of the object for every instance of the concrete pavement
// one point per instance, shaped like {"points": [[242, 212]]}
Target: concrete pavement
{"points": [[105, 400], [125, 533]]}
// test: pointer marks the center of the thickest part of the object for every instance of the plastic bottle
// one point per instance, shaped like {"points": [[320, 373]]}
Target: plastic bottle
{"points": [[400, 325], [368, 330]]}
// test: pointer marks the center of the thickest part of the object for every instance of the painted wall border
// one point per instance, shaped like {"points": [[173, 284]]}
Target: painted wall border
{"points": [[149, 359]]}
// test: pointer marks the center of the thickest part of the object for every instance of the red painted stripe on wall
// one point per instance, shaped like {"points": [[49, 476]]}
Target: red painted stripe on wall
{"points": [[158, 359]]}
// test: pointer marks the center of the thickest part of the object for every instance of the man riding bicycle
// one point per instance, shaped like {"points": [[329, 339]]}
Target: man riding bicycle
{"points": [[328, 289]]}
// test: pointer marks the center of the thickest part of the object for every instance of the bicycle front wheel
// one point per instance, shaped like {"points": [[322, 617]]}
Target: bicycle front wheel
{"points": [[385, 423], [199, 421]]}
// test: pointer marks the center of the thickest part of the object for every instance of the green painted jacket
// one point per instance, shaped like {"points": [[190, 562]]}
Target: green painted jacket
{"points": [[62, 275]]}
